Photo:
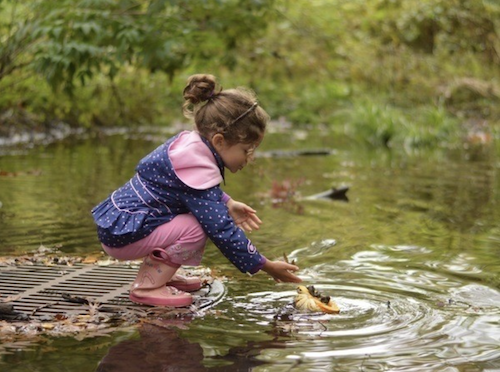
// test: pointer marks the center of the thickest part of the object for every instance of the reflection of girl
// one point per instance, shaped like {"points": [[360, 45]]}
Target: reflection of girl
{"points": [[173, 203]]}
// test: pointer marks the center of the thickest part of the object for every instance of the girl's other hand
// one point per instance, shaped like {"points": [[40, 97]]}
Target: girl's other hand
{"points": [[244, 217], [282, 271]]}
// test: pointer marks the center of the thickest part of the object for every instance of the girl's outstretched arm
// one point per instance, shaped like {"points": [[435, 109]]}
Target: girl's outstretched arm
{"points": [[244, 216], [281, 271], [213, 215]]}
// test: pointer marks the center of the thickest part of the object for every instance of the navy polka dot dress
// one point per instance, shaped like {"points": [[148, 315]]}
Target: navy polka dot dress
{"points": [[155, 195]]}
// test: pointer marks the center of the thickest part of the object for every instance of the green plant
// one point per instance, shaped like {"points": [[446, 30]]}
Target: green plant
{"points": [[68, 41]]}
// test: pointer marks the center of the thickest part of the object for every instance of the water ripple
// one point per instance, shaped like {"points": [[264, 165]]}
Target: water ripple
{"points": [[392, 316]]}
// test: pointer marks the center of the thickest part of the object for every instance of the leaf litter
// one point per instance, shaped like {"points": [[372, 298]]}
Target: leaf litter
{"points": [[19, 329]]}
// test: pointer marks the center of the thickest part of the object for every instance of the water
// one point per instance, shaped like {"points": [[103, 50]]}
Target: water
{"points": [[412, 259]]}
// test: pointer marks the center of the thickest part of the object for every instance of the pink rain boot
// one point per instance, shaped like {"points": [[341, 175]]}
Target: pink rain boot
{"points": [[185, 283], [149, 286]]}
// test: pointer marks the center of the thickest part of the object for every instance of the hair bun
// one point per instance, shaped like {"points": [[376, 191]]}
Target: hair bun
{"points": [[199, 88]]}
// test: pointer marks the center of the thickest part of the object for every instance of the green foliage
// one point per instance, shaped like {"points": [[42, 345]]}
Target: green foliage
{"points": [[382, 125], [373, 123], [451, 27], [306, 103], [385, 72], [68, 41], [432, 128]]}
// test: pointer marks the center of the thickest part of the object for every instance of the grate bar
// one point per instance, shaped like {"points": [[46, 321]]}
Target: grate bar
{"points": [[54, 281], [40, 288]]}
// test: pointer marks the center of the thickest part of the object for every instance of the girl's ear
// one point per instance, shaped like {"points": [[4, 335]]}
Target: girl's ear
{"points": [[218, 141]]}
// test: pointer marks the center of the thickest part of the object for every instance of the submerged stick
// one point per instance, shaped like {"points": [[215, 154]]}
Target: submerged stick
{"points": [[285, 257]]}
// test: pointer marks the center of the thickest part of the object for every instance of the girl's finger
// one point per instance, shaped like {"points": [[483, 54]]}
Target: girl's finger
{"points": [[254, 218], [253, 225], [246, 227], [250, 210]]}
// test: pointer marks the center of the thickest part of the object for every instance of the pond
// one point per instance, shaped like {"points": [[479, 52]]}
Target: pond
{"points": [[412, 258]]}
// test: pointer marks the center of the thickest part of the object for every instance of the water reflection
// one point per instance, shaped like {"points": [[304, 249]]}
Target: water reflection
{"points": [[157, 349], [413, 260], [160, 348]]}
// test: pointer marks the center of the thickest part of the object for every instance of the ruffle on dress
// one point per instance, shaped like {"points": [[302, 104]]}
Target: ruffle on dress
{"points": [[118, 222]]}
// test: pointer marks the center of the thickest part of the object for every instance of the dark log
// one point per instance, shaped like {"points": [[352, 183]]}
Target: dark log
{"points": [[293, 153], [334, 194]]}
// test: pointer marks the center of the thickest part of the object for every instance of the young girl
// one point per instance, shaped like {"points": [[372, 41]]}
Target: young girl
{"points": [[173, 203]]}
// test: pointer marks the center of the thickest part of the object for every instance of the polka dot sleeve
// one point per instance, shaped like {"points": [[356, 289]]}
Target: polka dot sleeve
{"points": [[211, 212]]}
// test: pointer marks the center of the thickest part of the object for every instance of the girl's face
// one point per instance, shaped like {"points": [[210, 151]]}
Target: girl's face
{"points": [[235, 157]]}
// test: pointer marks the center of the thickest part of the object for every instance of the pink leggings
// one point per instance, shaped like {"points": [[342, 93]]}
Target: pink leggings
{"points": [[182, 238]]}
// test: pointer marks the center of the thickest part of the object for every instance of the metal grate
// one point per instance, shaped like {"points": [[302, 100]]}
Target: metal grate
{"points": [[41, 288]]}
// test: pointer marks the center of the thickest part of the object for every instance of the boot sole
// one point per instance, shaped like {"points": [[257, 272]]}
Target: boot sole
{"points": [[185, 287]]}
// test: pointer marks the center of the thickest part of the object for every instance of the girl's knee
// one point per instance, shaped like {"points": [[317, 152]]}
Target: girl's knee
{"points": [[193, 230], [199, 235]]}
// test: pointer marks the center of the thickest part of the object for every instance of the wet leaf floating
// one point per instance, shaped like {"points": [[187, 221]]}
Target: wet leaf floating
{"points": [[308, 299], [285, 194], [34, 172]]}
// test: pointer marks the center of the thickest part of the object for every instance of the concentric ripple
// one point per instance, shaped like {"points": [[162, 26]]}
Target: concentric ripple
{"points": [[394, 315]]}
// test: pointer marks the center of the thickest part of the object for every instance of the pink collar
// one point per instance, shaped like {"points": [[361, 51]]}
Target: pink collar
{"points": [[193, 161]]}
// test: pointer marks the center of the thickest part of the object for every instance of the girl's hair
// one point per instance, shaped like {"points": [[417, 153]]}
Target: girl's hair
{"points": [[234, 113]]}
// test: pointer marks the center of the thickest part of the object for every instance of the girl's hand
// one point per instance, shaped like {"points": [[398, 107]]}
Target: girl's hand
{"points": [[243, 216], [281, 271]]}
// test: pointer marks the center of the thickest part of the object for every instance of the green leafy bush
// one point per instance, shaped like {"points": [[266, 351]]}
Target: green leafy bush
{"points": [[384, 72]]}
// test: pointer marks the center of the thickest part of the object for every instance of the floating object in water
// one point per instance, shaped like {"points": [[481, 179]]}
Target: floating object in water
{"points": [[309, 299], [338, 193], [293, 153]]}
